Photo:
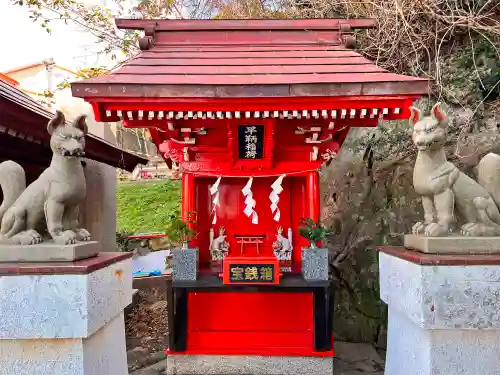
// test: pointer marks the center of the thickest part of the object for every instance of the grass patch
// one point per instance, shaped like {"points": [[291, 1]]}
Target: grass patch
{"points": [[145, 207]]}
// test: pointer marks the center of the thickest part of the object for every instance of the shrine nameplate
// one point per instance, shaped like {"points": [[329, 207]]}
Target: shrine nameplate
{"points": [[251, 270], [250, 142]]}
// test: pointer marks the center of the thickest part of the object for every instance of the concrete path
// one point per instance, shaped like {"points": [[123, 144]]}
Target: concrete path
{"points": [[350, 359]]}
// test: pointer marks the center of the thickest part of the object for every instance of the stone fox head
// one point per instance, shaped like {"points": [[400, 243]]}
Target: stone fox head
{"points": [[67, 139], [429, 133]]}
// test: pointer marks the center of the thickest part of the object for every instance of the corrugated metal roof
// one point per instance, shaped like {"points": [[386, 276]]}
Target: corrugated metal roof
{"points": [[301, 57], [97, 148]]}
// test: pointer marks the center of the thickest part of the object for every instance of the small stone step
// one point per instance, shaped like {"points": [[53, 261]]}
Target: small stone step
{"points": [[247, 365]]}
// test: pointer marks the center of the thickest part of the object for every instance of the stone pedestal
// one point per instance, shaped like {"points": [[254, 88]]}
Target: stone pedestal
{"points": [[185, 264], [453, 244], [65, 318], [244, 365], [48, 252], [315, 264], [444, 312]]}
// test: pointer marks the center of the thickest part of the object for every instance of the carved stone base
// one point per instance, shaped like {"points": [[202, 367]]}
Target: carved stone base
{"points": [[453, 244], [443, 315], [49, 252]]}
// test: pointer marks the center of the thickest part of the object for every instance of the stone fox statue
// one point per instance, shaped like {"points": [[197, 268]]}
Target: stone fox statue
{"points": [[447, 193], [56, 195]]}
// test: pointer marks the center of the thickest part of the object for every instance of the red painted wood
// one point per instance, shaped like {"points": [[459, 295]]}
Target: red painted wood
{"points": [[248, 47], [215, 168], [353, 60], [260, 69], [282, 352], [250, 311], [250, 321], [248, 340], [230, 213], [203, 204], [312, 191], [248, 37], [298, 207], [254, 79], [188, 199], [155, 54], [195, 25]]}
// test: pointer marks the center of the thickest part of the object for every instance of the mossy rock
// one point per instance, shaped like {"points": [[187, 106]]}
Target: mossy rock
{"points": [[360, 315]]}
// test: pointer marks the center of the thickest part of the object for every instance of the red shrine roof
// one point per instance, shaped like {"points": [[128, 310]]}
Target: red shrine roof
{"points": [[248, 58]]}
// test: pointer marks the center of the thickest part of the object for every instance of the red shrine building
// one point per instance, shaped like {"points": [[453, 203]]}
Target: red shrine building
{"points": [[250, 110]]}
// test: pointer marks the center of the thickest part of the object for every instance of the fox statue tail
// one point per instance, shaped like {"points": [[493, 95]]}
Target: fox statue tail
{"points": [[488, 175], [12, 182]]}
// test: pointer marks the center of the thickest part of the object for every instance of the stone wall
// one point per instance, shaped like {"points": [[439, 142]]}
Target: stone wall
{"points": [[99, 210]]}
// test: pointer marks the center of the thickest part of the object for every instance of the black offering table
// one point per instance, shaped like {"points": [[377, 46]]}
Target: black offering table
{"points": [[210, 317]]}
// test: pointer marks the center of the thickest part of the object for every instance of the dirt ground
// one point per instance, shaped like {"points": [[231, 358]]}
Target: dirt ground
{"points": [[146, 328]]}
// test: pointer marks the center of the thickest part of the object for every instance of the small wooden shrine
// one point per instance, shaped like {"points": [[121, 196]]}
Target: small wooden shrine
{"points": [[250, 110]]}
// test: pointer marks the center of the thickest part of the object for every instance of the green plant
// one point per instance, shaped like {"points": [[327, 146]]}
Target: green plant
{"points": [[313, 231], [147, 207], [179, 231]]}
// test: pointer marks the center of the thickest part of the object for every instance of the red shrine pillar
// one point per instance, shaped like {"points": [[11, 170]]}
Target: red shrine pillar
{"points": [[188, 197], [313, 194]]}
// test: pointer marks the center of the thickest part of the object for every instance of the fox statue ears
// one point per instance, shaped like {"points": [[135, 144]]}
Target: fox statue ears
{"points": [[56, 121], [60, 120], [81, 124], [416, 115], [437, 114]]}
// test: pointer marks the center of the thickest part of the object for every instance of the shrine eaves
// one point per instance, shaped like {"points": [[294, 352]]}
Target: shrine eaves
{"points": [[249, 95]]}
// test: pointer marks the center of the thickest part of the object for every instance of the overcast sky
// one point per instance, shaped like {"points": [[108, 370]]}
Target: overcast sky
{"points": [[25, 42]]}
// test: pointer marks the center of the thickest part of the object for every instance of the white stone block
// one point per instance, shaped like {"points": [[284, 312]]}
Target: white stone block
{"points": [[442, 319], [63, 306], [103, 353], [66, 324], [442, 297]]}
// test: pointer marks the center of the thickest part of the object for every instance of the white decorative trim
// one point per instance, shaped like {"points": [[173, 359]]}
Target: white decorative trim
{"points": [[327, 114]]}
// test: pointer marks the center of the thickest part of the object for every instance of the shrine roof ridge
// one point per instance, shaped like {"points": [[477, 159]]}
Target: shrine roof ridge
{"points": [[250, 25]]}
